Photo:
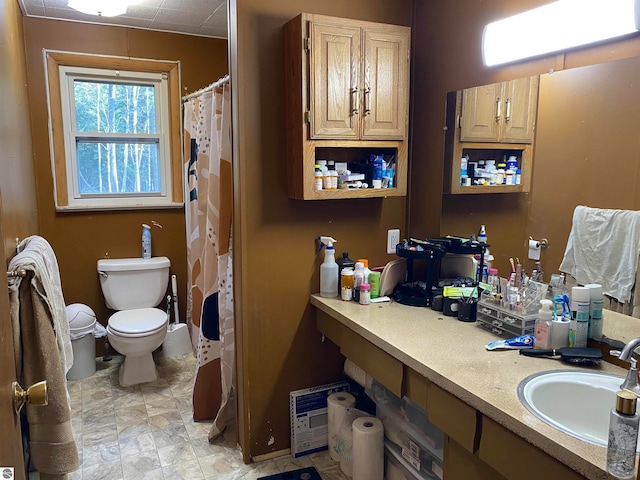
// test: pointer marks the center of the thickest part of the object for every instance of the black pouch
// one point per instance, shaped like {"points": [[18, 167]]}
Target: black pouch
{"points": [[412, 293]]}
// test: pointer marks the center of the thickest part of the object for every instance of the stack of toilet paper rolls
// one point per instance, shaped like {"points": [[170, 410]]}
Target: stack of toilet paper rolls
{"points": [[357, 444]]}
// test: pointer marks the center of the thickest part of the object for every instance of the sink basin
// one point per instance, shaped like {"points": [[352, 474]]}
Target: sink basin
{"points": [[577, 403]]}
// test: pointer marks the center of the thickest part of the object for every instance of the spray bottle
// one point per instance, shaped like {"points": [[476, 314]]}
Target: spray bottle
{"points": [[146, 241], [328, 268]]}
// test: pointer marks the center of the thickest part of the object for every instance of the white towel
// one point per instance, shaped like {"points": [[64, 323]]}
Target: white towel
{"points": [[36, 255], [603, 247]]}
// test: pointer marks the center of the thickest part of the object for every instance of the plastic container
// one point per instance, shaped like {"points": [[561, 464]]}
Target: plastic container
{"points": [[146, 241], [318, 178], [346, 288], [82, 322], [579, 325], [365, 294], [543, 325], [344, 262], [374, 282], [595, 310], [482, 236], [378, 166]]}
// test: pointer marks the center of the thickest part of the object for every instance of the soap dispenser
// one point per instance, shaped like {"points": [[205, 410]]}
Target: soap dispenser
{"points": [[623, 436], [543, 325]]}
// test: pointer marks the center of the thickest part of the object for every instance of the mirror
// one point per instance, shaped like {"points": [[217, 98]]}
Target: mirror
{"points": [[586, 151]]}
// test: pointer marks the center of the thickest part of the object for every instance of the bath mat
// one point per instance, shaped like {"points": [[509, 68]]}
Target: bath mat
{"points": [[308, 473]]}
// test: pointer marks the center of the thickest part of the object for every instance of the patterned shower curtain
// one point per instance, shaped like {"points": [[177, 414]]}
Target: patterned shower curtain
{"points": [[208, 173]]}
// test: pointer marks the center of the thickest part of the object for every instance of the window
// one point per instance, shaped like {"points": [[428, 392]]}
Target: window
{"points": [[119, 145]]}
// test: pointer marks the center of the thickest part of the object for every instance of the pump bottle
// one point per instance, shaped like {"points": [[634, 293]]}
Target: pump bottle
{"points": [[543, 325], [328, 269]]}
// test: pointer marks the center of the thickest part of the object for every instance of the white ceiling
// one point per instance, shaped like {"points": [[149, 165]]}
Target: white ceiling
{"points": [[194, 17]]}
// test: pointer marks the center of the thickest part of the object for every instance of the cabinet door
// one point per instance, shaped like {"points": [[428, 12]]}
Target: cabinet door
{"points": [[386, 79], [481, 113], [520, 106], [334, 81]]}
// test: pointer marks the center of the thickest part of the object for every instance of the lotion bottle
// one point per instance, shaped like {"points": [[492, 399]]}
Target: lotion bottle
{"points": [[543, 325], [146, 241], [623, 436], [329, 269]]}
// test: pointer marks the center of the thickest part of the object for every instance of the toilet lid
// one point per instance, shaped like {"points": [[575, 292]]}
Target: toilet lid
{"points": [[138, 321]]}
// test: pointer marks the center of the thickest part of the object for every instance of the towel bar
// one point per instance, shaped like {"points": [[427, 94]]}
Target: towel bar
{"points": [[17, 273]]}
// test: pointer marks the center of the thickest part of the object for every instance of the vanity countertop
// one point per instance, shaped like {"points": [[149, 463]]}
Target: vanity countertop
{"points": [[452, 355]]}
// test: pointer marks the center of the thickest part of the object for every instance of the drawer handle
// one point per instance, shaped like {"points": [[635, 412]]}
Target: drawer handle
{"points": [[367, 101], [508, 115], [498, 108]]}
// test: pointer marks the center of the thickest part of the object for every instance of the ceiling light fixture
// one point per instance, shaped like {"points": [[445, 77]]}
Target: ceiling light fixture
{"points": [[558, 26], [102, 8]]}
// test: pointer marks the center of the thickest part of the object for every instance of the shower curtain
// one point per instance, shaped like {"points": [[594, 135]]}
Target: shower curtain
{"points": [[208, 174]]}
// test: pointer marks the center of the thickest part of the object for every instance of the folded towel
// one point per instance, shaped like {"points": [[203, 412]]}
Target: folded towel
{"points": [[603, 247], [37, 256], [53, 448]]}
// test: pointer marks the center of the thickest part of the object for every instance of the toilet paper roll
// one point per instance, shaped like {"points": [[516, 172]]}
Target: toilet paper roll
{"points": [[357, 374], [534, 250], [337, 404], [368, 449]]}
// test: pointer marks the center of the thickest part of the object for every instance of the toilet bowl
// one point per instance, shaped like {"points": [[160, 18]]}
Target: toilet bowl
{"points": [[136, 334], [133, 287]]}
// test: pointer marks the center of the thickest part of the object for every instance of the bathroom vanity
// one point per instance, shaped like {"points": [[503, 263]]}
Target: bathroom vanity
{"points": [[470, 393]]}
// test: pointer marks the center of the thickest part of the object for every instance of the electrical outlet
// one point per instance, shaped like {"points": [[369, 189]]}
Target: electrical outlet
{"points": [[393, 239]]}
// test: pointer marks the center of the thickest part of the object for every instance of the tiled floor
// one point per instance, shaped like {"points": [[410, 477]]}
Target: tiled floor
{"points": [[147, 432]]}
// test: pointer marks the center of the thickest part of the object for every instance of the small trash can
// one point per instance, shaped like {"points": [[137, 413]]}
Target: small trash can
{"points": [[82, 322]]}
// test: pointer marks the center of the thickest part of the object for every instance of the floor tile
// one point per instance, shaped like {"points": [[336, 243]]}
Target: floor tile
{"points": [[147, 432]]}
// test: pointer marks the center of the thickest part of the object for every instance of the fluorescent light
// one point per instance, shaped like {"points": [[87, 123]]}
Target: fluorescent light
{"points": [[103, 8], [557, 26]]}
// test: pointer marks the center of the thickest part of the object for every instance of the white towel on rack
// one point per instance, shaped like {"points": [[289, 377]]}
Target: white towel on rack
{"points": [[603, 247], [36, 255]]}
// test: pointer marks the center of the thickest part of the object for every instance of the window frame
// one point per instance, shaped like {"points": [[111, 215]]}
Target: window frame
{"points": [[67, 197]]}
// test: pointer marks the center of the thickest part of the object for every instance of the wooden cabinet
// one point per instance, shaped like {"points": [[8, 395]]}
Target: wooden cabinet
{"points": [[491, 122], [347, 93], [501, 112]]}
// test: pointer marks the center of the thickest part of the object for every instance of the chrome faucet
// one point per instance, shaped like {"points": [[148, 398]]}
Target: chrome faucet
{"points": [[631, 382]]}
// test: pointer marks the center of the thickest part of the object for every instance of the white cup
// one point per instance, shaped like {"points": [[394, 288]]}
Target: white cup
{"points": [[377, 183]]}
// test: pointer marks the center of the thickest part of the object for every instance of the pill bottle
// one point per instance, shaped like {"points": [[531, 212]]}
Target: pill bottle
{"points": [[318, 178], [365, 294], [346, 280]]}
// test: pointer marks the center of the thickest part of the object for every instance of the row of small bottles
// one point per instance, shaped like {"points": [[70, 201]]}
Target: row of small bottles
{"points": [[326, 176]]}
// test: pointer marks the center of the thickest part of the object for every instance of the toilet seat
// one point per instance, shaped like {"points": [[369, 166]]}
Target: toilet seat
{"points": [[139, 322]]}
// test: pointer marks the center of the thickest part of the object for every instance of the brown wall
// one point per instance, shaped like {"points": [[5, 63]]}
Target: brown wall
{"points": [[18, 214], [275, 248], [447, 57], [81, 238]]}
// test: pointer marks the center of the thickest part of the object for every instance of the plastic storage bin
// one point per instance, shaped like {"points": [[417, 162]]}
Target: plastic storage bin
{"points": [[408, 430], [82, 322], [504, 322], [397, 468]]}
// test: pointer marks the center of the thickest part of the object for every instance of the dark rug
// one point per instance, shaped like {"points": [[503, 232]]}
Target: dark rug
{"points": [[308, 473]]}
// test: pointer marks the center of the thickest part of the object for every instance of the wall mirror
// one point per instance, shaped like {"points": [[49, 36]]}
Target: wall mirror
{"points": [[585, 151]]}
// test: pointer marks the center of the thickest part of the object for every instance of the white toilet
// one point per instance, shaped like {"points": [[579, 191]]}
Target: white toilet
{"points": [[133, 286]]}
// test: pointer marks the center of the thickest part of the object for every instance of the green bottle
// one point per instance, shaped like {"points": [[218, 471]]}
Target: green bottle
{"points": [[374, 282]]}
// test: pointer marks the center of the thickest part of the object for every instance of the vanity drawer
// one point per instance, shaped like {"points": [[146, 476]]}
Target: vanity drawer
{"points": [[501, 328]]}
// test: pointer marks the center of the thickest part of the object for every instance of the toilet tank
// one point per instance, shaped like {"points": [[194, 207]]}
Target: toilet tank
{"points": [[129, 283]]}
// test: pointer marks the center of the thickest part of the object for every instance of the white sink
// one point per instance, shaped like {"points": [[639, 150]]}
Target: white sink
{"points": [[575, 402]]}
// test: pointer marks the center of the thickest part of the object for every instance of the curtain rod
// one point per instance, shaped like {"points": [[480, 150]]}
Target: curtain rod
{"points": [[218, 83]]}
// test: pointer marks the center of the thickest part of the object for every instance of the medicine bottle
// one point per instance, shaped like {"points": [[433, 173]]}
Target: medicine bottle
{"points": [[318, 178], [365, 294], [346, 279], [358, 279], [623, 436]]}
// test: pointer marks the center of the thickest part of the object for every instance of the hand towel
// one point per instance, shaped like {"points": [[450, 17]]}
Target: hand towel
{"points": [[603, 247], [37, 256]]}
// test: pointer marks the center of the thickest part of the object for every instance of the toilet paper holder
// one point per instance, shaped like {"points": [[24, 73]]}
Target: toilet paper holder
{"points": [[542, 243]]}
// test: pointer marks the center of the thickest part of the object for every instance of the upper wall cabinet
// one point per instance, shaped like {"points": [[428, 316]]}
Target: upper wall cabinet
{"points": [[501, 112], [347, 92], [358, 80]]}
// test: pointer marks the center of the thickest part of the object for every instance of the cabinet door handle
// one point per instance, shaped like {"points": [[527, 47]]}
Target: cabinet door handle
{"points": [[355, 101], [508, 114], [498, 108], [367, 101]]}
